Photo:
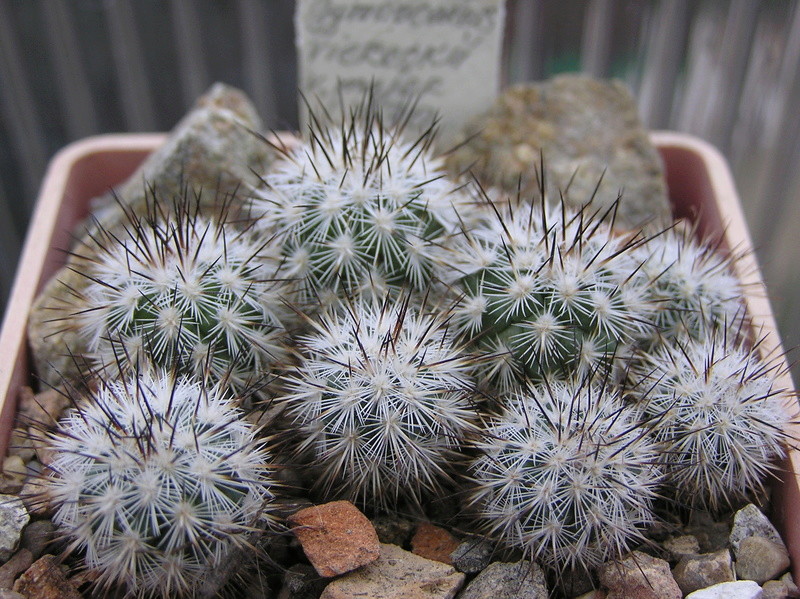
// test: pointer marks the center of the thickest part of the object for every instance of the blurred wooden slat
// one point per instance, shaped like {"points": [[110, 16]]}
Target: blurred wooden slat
{"points": [[527, 36], [19, 109], [130, 68], [10, 243], [79, 116], [664, 51], [187, 32], [598, 27], [257, 59]]}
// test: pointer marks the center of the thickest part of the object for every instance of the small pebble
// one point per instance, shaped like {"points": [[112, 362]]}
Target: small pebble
{"points": [[520, 580], [13, 477], [741, 589], [641, 576], [393, 530], [433, 542], [13, 518], [36, 536], [696, 572], [471, 556], [336, 537], [682, 545], [751, 522], [46, 580], [790, 585], [760, 559], [18, 563], [774, 589]]}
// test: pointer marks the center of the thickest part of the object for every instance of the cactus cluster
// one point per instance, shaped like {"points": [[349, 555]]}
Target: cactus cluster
{"points": [[575, 372], [548, 292], [156, 478], [179, 288], [381, 401], [358, 208], [565, 474], [719, 418]]}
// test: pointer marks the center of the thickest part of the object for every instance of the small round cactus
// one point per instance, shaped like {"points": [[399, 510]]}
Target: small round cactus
{"points": [[155, 479], [548, 292], [565, 474], [717, 416], [690, 284], [358, 208], [381, 401], [182, 289]]}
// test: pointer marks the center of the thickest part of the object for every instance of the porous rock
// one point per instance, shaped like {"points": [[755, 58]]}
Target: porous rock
{"points": [[13, 476], [433, 542], [588, 132], [774, 589], [393, 529], [639, 576], [751, 522], [520, 580], [336, 537], [695, 572], [18, 563], [760, 559], [682, 545], [36, 536], [740, 589], [398, 574], [46, 580], [472, 555], [13, 518]]}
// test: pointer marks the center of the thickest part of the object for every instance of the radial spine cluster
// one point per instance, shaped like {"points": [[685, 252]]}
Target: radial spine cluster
{"points": [[155, 479], [548, 292], [566, 474], [181, 288], [381, 402], [717, 417], [358, 208]]}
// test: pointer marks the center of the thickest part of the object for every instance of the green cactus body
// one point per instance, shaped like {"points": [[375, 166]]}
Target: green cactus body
{"points": [[548, 294]]}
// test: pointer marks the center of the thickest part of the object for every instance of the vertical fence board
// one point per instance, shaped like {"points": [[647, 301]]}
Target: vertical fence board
{"points": [[187, 35], [79, 114], [257, 59], [131, 71], [598, 26]]}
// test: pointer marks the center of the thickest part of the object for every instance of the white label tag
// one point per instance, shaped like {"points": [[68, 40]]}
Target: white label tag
{"points": [[446, 53]]}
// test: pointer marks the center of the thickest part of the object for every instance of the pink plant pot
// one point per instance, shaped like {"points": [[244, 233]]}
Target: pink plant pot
{"points": [[700, 187]]}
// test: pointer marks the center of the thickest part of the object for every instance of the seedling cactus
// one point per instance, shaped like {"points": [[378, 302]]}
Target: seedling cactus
{"points": [[182, 288], [548, 292], [565, 474], [359, 208], [380, 402], [155, 479], [719, 418], [691, 285]]}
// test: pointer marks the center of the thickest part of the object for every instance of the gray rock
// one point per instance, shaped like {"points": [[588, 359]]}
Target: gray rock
{"points": [[36, 536], [393, 530], [790, 585], [695, 572], [741, 589], [711, 534], [9, 594], [751, 522], [682, 545], [760, 559], [211, 148], [587, 129], [520, 580], [641, 576], [775, 589], [397, 574], [472, 555], [13, 518], [18, 563]]}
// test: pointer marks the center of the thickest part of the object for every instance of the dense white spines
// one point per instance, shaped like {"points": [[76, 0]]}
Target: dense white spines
{"points": [[183, 289], [565, 474], [358, 208], [717, 416], [691, 285], [381, 401], [154, 480], [548, 292]]}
